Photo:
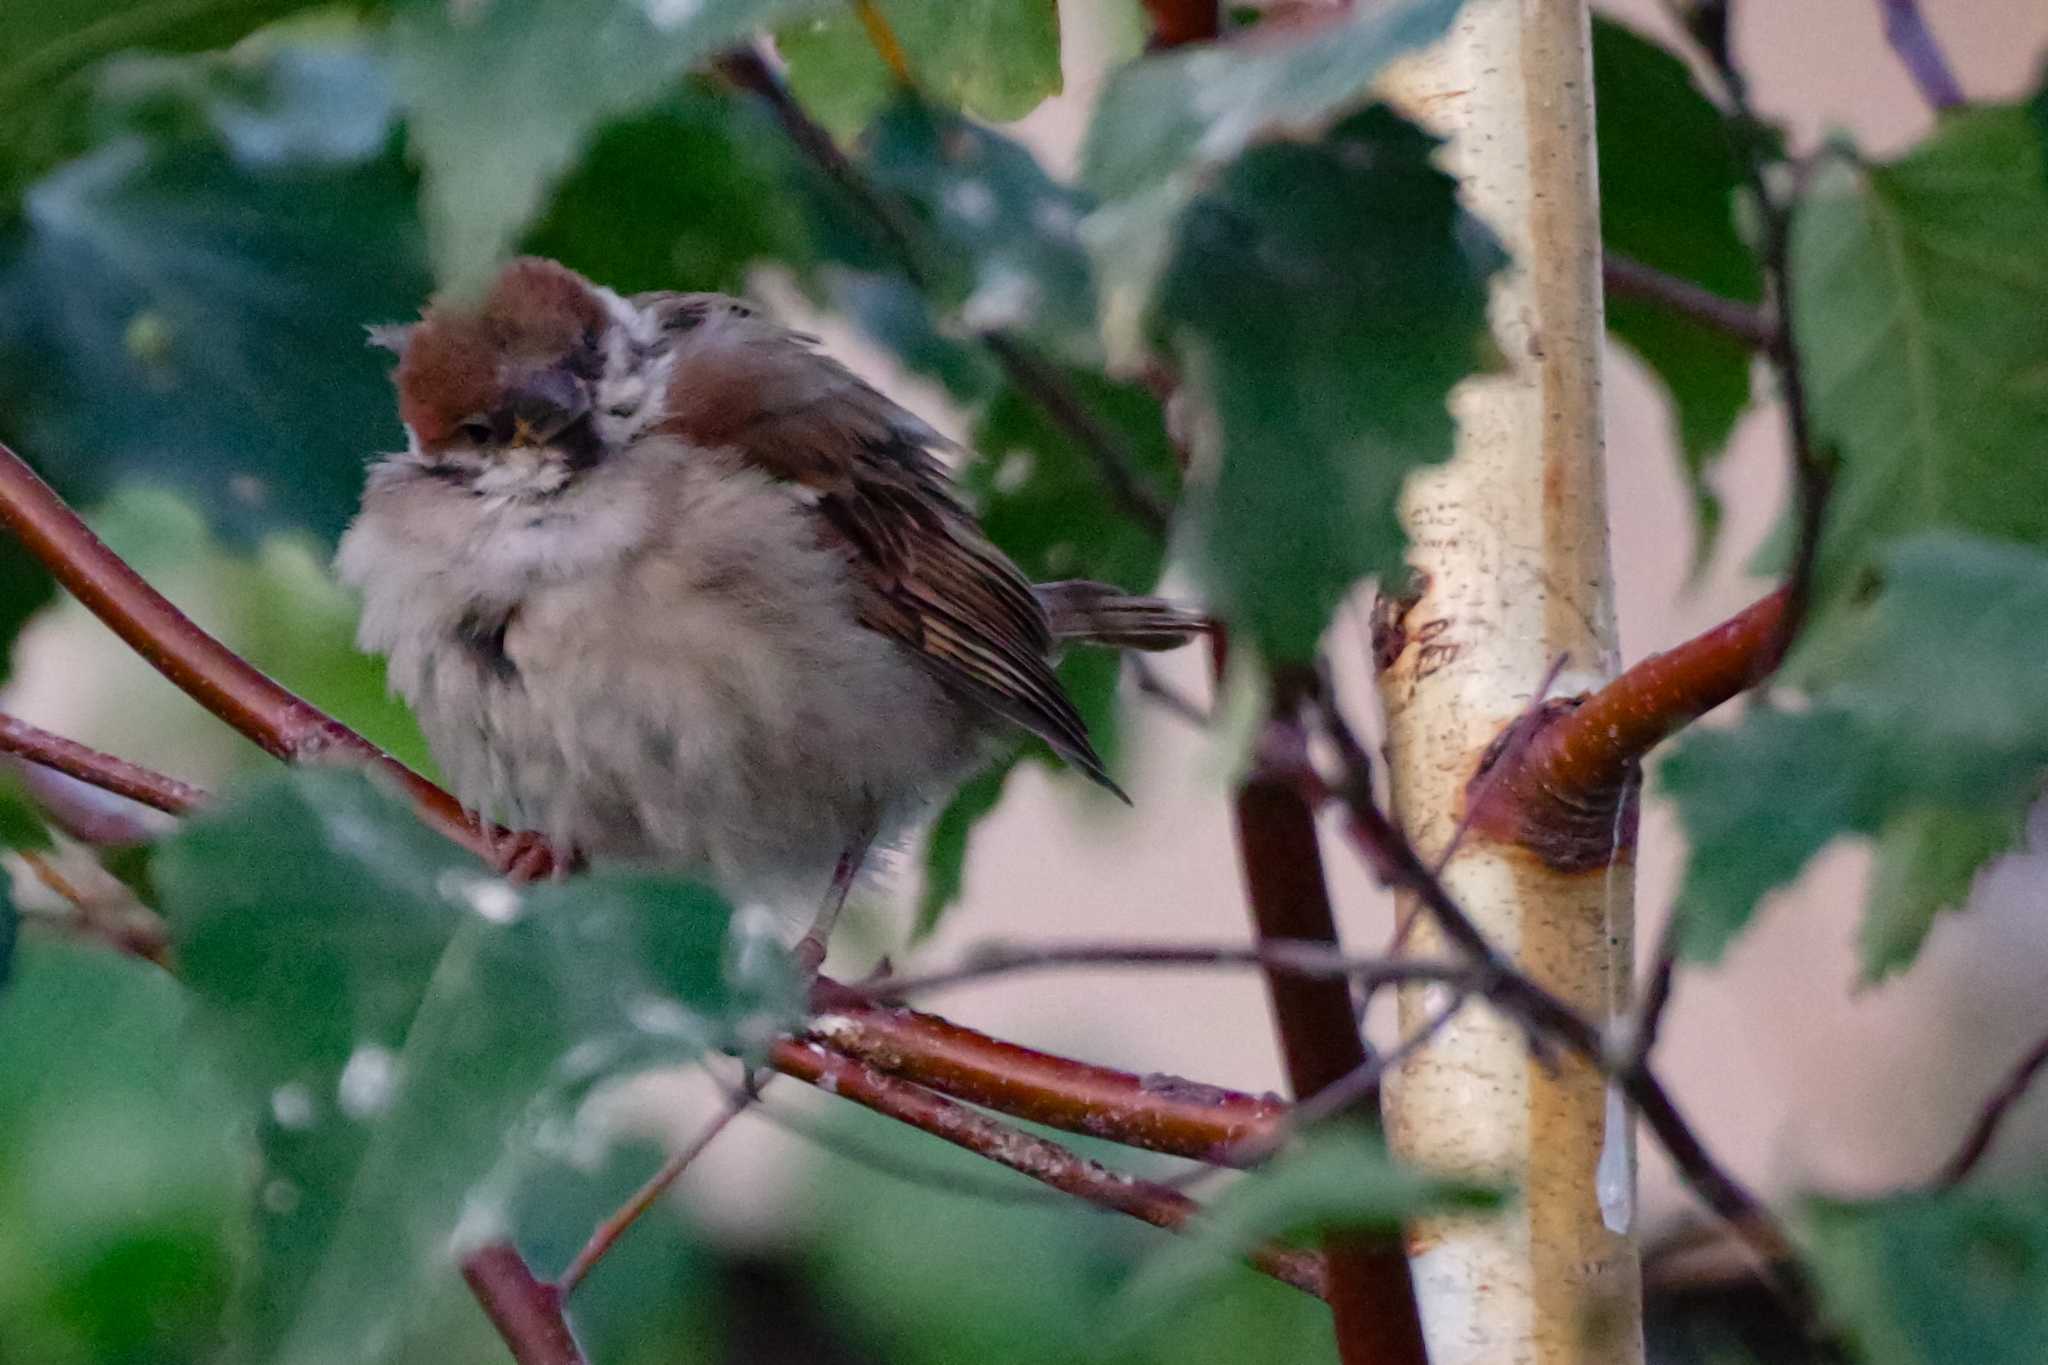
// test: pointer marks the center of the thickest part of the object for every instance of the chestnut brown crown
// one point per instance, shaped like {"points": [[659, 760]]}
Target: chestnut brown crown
{"points": [[517, 368]]}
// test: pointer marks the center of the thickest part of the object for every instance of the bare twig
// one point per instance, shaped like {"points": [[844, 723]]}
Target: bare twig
{"points": [[526, 1312], [1508, 756], [1371, 1294], [1905, 28], [1322, 961], [1977, 1142], [1032, 374], [101, 770], [1649, 1020], [1171, 699], [611, 1229], [1042, 1160], [1159, 1113], [1629, 278], [883, 39]]}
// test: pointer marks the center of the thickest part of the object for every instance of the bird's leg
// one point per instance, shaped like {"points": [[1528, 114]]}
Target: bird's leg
{"points": [[810, 949]]}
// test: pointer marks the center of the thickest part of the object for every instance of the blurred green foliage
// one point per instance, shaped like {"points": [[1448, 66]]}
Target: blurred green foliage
{"points": [[374, 1054]]}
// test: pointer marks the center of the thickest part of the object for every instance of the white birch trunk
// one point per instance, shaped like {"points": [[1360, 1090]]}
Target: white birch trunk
{"points": [[1512, 536]]}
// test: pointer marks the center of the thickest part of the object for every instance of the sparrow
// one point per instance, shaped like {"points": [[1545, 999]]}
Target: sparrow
{"points": [[668, 585]]}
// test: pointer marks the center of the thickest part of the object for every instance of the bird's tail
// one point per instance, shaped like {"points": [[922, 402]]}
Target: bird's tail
{"points": [[1098, 614]]}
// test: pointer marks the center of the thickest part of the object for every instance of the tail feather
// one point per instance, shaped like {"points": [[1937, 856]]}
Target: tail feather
{"points": [[1097, 614]]}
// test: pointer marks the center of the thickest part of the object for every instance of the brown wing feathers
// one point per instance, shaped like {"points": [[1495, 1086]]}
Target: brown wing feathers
{"points": [[931, 579]]}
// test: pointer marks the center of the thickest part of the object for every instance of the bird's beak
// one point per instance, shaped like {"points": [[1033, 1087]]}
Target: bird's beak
{"points": [[543, 404]]}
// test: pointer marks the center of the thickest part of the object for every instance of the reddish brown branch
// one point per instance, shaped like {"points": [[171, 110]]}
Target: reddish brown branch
{"points": [[284, 725], [526, 1312], [112, 774], [1977, 1142], [1559, 791], [1371, 1294], [1176, 23], [1158, 1113], [1045, 1161]]}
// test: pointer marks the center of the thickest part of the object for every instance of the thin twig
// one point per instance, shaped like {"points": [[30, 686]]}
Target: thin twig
{"points": [[1345, 1094], [1977, 1142], [611, 1229], [1036, 1157], [526, 1312], [104, 771], [1649, 1020], [1629, 278], [1322, 961], [1034, 376], [1905, 28], [1169, 698]]}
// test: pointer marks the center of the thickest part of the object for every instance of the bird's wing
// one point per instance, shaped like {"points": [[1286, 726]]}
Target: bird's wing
{"points": [[929, 578]]}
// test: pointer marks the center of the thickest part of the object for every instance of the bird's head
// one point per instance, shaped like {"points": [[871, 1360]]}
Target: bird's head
{"points": [[516, 394]]}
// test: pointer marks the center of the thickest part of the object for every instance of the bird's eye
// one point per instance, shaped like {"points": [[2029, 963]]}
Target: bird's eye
{"points": [[477, 432]]}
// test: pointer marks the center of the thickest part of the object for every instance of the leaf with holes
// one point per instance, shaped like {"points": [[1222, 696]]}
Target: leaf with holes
{"points": [[1669, 182], [1926, 731], [996, 59], [1322, 300], [419, 1034], [1919, 292]]}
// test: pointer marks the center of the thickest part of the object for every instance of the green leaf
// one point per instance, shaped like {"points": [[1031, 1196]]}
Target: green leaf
{"points": [[189, 311], [1918, 295], [21, 821], [1008, 1278], [1926, 729], [894, 313], [420, 1033], [122, 1165], [1164, 122], [1927, 860], [1669, 182], [1323, 299], [46, 44], [1002, 238], [993, 58], [1042, 501], [945, 853], [1340, 1180], [10, 930], [502, 98], [1916, 1279], [688, 194]]}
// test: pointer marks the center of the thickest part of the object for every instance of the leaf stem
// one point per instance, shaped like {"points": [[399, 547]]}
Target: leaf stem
{"points": [[526, 1312], [611, 1229]]}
